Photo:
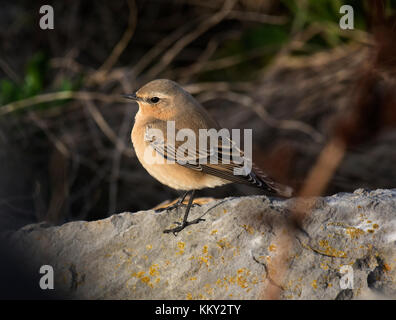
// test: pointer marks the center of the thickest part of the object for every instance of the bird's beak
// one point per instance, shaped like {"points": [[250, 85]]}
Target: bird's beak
{"points": [[132, 96]]}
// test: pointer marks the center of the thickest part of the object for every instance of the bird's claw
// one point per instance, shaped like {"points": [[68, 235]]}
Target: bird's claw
{"points": [[182, 225]]}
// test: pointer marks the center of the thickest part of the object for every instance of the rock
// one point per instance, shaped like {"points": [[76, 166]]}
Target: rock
{"points": [[126, 256]]}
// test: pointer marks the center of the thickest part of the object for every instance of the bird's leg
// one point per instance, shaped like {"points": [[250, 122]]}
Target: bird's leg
{"points": [[175, 205], [185, 223]]}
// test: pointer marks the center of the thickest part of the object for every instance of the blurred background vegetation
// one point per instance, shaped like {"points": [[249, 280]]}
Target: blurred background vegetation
{"points": [[283, 68]]}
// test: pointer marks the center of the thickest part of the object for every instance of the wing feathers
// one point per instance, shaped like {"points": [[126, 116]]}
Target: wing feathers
{"points": [[221, 169]]}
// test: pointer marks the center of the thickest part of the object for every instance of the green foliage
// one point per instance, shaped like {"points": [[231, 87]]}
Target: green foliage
{"points": [[320, 15], [264, 40], [34, 82], [324, 15], [7, 91], [265, 35], [34, 78]]}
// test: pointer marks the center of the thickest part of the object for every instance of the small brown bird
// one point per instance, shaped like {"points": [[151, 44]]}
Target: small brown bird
{"points": [[161, 101]]}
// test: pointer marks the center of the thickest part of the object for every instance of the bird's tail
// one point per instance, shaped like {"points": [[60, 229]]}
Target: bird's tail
{"points": [[265, 182], [282, 190]]}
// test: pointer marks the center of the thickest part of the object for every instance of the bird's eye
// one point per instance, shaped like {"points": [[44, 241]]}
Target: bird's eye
{"points": [[154, 99]]}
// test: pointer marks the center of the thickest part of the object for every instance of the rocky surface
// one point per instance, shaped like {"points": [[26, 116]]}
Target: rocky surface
{"points": [[126, 256]]}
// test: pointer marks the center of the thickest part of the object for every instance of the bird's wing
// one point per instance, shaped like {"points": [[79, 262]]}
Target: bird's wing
{"points": [[222, 161]]}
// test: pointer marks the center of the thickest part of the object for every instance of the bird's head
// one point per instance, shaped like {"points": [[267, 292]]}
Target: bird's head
{"points": [[159, 98]]}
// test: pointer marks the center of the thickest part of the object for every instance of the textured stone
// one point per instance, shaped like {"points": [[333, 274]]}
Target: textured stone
{"points": [[126, 256]]}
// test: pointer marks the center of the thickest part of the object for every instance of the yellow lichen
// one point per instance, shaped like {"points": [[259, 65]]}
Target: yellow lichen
{"points": [[181, 246], [236, 252], [153, 270], [145, 279], [242, 282], [140, 274], [204, 260], [324, 266], [329, 251], [230, 279], [208, 289], [248, 228], [354, 233], [223, 243]]}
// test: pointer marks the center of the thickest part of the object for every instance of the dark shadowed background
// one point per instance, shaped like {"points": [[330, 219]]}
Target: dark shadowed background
{"points": [[282, 68]]}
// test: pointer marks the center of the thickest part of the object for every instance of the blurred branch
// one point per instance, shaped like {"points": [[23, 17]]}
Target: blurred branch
{"points": [[156, 50], [223, 63], [300, 37], [8, 71], [196, 67], [249, 102], [190, 37], [106, 129], [67, 63], [323, 170], [243, 15], [62, 148], [121, 45], [61, 95], [257, 17], [198, 87], [116, 163]]}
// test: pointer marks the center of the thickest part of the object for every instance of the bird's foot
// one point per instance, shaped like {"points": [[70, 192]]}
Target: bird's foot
{"points": [[182, 225]]}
